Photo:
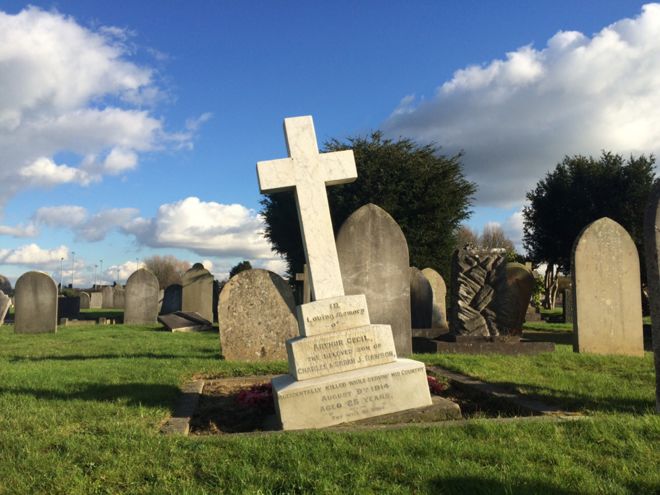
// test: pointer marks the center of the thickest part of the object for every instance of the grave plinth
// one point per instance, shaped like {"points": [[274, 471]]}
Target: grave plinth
{"points": [[342, 368]]}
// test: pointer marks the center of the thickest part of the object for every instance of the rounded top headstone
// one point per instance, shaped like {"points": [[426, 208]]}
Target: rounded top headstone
{"points": [[198, 266], [5, 284]]}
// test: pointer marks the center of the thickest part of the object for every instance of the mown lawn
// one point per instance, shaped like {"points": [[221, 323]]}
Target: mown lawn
{"points": [[80, 412]]}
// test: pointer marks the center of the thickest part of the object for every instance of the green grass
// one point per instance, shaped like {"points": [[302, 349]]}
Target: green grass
{"points": [[80, 412]]}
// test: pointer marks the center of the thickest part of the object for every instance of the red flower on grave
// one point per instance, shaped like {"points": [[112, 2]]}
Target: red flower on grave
{"points": [[257, 397], [435, 386]]}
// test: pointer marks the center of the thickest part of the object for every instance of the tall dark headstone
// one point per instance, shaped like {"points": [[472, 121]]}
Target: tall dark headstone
{"points": [[512, 298], [5, 285], [567, 308], [421, 299], [172, 299], [374, 261], [652, 251]]}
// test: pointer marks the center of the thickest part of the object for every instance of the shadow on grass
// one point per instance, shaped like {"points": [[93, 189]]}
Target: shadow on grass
{"points": [[475, 485], [143, 394], [202, 354]]}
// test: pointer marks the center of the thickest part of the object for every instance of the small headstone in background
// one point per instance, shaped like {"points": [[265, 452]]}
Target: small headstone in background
{"points": [[606, 281], [35, 303], [374, 261], [512, 298], [95, 300], [475, 278], [198, 291], [5, 285], [172, 299], [256, 316], [108, 300], [118, 297], [141, 298], [5, 303], [652, 251], [533, 313], [421, 299], [567, 308], [439, 288], [85, 300]]}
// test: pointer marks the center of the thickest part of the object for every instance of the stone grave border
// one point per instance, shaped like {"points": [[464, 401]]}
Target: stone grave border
{"points": [[186, 406]]}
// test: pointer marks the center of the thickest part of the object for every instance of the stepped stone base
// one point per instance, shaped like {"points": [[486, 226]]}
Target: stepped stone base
{"points": [[351, 395]]}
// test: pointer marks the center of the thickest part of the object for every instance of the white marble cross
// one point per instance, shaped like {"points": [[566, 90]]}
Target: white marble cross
{"points": [[308, 173]]}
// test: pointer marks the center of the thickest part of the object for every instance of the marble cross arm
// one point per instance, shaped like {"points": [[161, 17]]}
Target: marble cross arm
{"points": [[338, 167], [276, 175]]}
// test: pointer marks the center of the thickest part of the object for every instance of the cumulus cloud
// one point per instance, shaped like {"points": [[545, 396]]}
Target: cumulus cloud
{"points": [[32, 255], [28, 230], [66, 88], [517, 117], [86, 227]]}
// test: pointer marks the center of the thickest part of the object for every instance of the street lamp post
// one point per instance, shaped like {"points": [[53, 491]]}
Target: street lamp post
{"points": [[73, 261], [61, 273], [95, 279], [101, 272]]}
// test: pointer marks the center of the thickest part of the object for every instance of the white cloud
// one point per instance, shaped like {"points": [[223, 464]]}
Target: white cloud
{"points": [[28, 230], [120, 272], [60, 216], [66, 88], [32, 255], [517, 117], [87, 228]]}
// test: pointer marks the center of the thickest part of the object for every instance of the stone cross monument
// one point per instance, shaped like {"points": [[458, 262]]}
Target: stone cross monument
{"points": [[342, 368]]}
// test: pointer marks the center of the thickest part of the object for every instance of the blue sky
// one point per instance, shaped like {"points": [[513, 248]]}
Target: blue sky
{"points": [[133, 128]]}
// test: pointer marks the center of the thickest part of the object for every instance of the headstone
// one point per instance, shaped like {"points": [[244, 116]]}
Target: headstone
{"points": [[532, 314], [161, 298], [141, 298], [439, 288], [606, 285], [475, 278], [421, 299], [373, 255], [85, 300], [68, 307], [5, 302], [256, 316], [95, 300], [172, 299], [652, 251], [512, 298], [216, 298], [108, 299], [567, 308], [198, 291], [118, 297], [180, 321], [35, 303], [342, 368], [5, 285]]}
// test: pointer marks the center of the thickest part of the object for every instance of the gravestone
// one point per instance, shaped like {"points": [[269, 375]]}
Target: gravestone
{"points": [[341, 368], [475, 279], [185, 322], [373, 255], [108, 298], [197, 293], [95, 300], [512, 298], [439, 288], [35, 307], [567, 308], [652, 251], [421, 299], [5, 303], [141, 298], [606, 285], [118, 297], [172, 299], [256, 315], [68, 307], [85, 300], [5, 285]]}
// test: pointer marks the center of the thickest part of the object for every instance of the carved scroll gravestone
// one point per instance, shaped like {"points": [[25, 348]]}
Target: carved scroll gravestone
{"points": [[35, 298], [256, 316], [607, 291], [374, 260], [652, 251], [141, 298], [342, 368]]}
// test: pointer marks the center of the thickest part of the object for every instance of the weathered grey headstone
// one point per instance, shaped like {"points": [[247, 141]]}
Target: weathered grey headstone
{"points": [[421, 299], [374, 261], [172, 299], [198, 291], [652, 251], [512, 298], [475, 279], [606, 285], [118, 297], [95, 300], [108, 299], [35, 303], [567, 308], [439, 288], [342, 367], [5, 303], [85, 300], [141, 298], [5, 285], [256, 316]]}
